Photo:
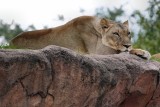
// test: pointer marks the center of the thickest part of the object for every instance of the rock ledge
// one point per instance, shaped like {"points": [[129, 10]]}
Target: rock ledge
{"points": [[58, 77]]}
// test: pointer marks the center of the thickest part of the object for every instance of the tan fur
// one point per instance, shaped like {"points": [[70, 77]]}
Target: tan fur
{"points": [[142, 53], [156, 56], [85, 34]]}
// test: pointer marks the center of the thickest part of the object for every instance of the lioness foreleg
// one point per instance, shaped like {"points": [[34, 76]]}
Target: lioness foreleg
{"points": [[141, 53]]}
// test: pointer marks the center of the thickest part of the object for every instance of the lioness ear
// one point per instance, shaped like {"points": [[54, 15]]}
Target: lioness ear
{"points": [[125, 23], [104, 23]]}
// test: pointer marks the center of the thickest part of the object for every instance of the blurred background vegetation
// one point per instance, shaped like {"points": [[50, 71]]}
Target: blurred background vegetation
{"points": [[148, 37]]}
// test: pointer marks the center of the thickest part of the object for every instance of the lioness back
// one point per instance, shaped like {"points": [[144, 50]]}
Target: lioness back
{"points": [[85, 34], [70, 35]]}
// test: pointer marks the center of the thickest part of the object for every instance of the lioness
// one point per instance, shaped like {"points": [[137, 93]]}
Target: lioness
{"points": [[85, 35]]}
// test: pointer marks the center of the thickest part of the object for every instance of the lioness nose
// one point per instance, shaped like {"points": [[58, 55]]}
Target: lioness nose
{"points": [[127, 45]]}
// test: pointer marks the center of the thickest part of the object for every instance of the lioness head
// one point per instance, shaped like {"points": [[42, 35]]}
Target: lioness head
{"points": [[116, 35]]}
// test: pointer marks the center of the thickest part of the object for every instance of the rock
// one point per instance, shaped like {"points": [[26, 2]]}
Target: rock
{"points": [[58, 77]]}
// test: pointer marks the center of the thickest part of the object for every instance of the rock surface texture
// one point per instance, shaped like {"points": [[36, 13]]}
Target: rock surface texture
{"points": [[58, 77]]}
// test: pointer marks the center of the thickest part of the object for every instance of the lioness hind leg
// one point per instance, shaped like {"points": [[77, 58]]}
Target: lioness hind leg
{"points": [[141, 53]]}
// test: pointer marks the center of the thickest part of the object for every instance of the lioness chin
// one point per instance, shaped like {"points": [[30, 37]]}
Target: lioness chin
{"points": [[85, 35]]}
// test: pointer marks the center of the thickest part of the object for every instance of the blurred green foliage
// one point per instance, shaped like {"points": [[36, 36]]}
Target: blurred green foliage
{"points": [[110, 14], [7, 47], [9, 31], [149, 35]]}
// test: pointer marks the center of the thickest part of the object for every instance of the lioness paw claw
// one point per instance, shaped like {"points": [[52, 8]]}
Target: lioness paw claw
{"points": [[141, 53]]}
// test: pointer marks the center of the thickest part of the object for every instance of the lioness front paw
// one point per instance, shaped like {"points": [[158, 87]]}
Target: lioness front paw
{"points": [[141, 53]]}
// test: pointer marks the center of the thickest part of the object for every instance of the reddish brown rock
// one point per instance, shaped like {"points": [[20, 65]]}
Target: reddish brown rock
{"points": [[58, 77]]}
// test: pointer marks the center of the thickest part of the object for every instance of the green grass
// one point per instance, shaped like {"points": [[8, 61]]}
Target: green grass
{"points": [[7, 47], [155, 59]]}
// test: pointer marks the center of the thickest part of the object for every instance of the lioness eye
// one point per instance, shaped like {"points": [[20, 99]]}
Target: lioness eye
{"points": [[105, 27], [129, 33], [115, 33]]}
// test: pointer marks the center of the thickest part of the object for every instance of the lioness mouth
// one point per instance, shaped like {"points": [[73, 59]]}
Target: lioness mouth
{"points": [[126, 50]]}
